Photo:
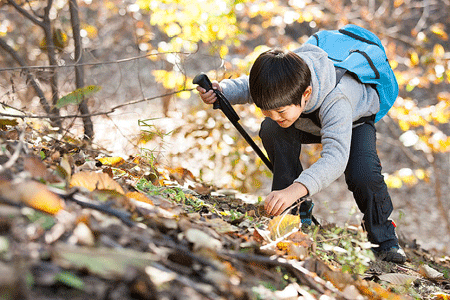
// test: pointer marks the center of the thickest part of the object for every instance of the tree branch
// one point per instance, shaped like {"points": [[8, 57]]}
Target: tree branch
{"points": [[25, 13]]}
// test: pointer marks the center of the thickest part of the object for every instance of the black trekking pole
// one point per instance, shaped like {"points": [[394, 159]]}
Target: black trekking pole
{"points": [[223, 104]]}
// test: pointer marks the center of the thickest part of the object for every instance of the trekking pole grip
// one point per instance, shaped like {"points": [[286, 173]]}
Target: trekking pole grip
{"points": [[203, 81]]}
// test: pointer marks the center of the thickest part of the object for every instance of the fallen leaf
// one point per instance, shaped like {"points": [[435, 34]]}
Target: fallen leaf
{"points": [[9, 122], [111, 161], [281, 225], [95, 181], [440, 296], [221, 226], [430, 273], [105, 262], [397, 278], [139, 197], [301, 239], [33, 194], [201, 239]]}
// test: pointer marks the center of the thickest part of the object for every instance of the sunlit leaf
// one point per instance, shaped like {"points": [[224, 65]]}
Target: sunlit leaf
{"points": [[283, 224], [440, 296], [95, 181], [393, 182], [438, 29], [397, 3], [33, 194], [77, 96], [414, 58], [438, 51], [111, 161], [139, 197]]}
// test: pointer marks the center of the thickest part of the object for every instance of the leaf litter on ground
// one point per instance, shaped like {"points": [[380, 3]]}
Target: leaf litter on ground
{"points": [[76, 221]]}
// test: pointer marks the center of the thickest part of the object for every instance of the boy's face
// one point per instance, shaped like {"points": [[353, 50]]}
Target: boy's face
{"points": [[285, 116]]}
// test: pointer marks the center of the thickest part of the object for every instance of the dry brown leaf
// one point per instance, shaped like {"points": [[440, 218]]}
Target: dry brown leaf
{"points": [[301, 239], [430, 273], [38, 170], [95, 181], [33, 194], [398, 279], [139, 197], [180, 174], [281, 225]]}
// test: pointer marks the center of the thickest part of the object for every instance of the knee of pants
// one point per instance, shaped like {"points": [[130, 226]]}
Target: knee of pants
{"points": [[364, 173]]}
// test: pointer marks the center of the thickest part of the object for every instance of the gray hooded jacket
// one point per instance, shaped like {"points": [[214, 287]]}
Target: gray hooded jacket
{"points": [[338, 107]]}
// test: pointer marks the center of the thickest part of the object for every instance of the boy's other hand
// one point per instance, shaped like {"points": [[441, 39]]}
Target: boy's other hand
{"points": [[278, 201], [209, 97]]}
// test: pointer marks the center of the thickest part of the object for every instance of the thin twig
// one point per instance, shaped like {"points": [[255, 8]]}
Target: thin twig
{"points": [[112, 110], [92, 64]]}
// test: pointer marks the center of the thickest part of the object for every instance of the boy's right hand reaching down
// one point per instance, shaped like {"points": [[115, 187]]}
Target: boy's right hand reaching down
{"points": [[209, 97]]}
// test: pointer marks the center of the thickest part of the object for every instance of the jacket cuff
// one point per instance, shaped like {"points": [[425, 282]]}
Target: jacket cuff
{"points": [[309, 182]]}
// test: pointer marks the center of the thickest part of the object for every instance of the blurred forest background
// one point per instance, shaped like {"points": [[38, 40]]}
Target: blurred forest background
{"points": [[119, 73]]}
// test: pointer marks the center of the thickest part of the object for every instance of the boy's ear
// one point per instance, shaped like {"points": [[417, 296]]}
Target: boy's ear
{"points": [[306, 95]]}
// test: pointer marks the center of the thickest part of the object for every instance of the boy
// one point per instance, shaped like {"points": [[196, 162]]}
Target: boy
{"points": [[297, 93]]}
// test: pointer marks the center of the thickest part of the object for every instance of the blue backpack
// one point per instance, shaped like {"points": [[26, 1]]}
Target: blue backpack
{"points": [[360, 52]]}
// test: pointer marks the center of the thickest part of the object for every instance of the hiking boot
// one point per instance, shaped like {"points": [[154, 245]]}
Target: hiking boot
{"points": [[306, 208], [394, 254]]}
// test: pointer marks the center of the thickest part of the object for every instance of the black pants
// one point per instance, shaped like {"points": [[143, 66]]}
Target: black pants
{"points": [[362, 174]]}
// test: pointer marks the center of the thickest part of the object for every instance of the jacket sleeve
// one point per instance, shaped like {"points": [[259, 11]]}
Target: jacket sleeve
{"points": [[237, 91], [336, 134]]}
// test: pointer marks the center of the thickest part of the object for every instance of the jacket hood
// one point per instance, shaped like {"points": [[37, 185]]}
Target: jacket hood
{"points": [[323, 74]]}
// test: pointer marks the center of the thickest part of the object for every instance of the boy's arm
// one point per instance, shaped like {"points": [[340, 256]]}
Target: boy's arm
{"points": [[237, 90], [336, 139]]}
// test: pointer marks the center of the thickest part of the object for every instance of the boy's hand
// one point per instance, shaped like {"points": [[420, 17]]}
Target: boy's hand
{"points": [[278, 201], [209, 97]]}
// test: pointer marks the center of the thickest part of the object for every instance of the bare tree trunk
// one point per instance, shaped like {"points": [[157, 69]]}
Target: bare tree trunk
{"points": [[46, 26], [79, 70]]}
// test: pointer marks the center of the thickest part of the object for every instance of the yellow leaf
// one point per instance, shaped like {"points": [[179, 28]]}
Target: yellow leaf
{"points": [[95, 181], [281, 225], [33, 194], [438, 51], [139, 197], [404, 125], [438, 29], [393, 64], [112, 161], [414, 58], [223, 51], [42, 199], [393, 182], [397, 3]]}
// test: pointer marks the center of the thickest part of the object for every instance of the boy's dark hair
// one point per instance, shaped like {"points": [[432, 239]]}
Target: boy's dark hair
{"points": [[278, 78]]}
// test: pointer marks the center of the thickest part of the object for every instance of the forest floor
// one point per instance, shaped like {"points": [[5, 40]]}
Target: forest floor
{"points": [[79, 223]]}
